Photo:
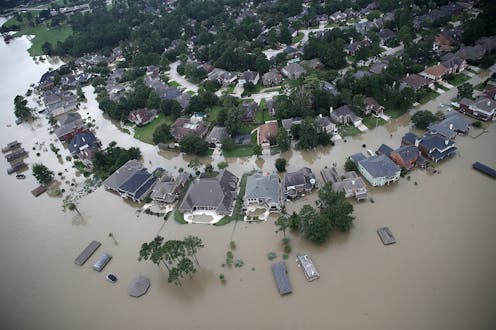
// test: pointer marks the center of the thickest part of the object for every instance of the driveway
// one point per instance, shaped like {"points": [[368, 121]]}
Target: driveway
{"points": [[174, 75]]}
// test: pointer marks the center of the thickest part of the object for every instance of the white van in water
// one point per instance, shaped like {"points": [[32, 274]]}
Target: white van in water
{"points": [[102, 262]]}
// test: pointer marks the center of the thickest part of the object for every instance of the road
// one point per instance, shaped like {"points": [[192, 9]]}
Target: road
{"points": [[174, 75]]}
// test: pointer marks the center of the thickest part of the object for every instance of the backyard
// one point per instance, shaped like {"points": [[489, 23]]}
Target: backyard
{"points": [[145, 133]]}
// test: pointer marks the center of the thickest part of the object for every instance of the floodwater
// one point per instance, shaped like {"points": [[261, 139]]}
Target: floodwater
{"points": [[440, 274]]}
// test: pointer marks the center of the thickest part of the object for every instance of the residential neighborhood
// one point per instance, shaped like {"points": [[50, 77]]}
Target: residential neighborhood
{"points": [[209, 146]]}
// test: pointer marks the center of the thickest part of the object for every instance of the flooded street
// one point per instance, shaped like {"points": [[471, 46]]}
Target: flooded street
{"points": [[439, 275]]}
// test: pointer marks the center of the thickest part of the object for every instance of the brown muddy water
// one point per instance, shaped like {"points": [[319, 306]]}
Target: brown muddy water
{"points": [[440, 275]]}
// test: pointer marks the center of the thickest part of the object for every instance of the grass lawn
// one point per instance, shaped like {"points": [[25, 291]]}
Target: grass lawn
{"points": [[179, 217], [173, 83], [262, 116], [212, 113], [372, 122], [428, 96], [394, 113], [41, 32], [348, 131], [298, 37], [145, 133], [240, 151], [458, 79]]}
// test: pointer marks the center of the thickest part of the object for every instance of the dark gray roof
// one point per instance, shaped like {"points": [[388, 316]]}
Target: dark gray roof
{"points": [[69, 118], [217, 134], [357, 157], [138, 183], [263, 186], [408, 153], [300, 177], [122, 174], [216, 193], [409, 138], [384, 149], [452, 124], [280, 273], [81, 141], [380, 166], [435, 141]]}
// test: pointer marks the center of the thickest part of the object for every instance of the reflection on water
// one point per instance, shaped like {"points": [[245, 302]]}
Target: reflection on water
{"points": [[440, 274]]}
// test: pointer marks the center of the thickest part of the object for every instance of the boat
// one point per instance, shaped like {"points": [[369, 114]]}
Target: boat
{"points": [[111, 277], [20, 176]]}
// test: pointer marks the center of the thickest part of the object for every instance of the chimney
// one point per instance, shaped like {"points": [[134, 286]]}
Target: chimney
{"points": [[446, 142], [330, 110], [451, 126]]}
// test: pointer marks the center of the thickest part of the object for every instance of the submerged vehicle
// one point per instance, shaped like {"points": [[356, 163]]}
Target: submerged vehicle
{"points": [[111, 277]]}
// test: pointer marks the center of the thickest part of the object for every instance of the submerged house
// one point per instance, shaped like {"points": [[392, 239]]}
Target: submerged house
{"points": [[167, 190], [436, 147], [131, 180], [345, 116], [377, 170], [82, 141], [449, 127], [299, 182], [138, 186], [405, 156], [263, 191], [349, 183], [212, 194], [70, 124]]}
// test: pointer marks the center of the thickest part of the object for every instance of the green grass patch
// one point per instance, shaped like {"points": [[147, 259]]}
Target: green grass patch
{"points": [[179, 217], [239, 151], [145, 133], [42, 33], [262, 116], [238, 207], [394, 113], [212, 113], [348, 131], [372, 122], [427, 96], [173, 83], [298, 37], [246, 128], [457, 79]]}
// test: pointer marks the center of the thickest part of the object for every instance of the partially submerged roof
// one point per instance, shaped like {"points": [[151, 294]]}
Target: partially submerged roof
{"points": [[380, 166], [263, 186], [122, 174], [138, 287]]}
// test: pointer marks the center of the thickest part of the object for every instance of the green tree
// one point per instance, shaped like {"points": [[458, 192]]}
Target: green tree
{"points": [[153, 101], [193, 144], [422, 119], [335, 208], [281, 164], [162, 134], [257, 149], [350, 165], [22, 111], [465, 90], [233, 122], [308, 135], [42, 174], [314, 226], [69, 204], [283, 139], [282, 223]]}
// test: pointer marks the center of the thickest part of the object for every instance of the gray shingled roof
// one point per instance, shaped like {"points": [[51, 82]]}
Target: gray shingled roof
{"points": [[263, 186], [380, 166], [122, 174], [216, 193]]}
